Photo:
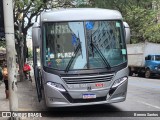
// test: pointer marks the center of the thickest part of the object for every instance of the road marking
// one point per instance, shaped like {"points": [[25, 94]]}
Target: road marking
{"points": [[149, 104]]}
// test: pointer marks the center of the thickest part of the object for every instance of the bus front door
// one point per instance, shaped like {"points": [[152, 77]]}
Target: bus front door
{"points": [[37, 75]]}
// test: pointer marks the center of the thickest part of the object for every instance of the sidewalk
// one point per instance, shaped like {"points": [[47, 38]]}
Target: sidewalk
{"points": [[4, 103], [27, 97]]}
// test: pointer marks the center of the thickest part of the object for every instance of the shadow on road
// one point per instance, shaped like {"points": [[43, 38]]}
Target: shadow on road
{"points": [[84, 111]]}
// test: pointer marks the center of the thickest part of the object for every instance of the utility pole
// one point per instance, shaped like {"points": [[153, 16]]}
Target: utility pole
{"points": [[11, 60]]}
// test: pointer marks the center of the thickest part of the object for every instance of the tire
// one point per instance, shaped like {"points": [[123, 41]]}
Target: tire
{"points": [[130, 72], [141, 74], [147, 73]]}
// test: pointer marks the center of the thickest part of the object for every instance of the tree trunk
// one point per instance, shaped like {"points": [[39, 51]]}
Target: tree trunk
{"points": [[21, 63], [19, 49], [25, 48]]}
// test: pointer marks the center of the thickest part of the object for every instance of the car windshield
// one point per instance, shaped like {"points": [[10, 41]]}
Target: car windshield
{"points": [[83, 45]]}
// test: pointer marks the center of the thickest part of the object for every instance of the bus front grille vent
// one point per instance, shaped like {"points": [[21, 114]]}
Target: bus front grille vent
{"points": [[88, 79]]}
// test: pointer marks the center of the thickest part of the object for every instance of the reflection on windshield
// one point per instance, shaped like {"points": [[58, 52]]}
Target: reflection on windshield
{"points": [[65, 49], [107, 37], [73, 57], [67, 45], [99, 53], [78, 29]]}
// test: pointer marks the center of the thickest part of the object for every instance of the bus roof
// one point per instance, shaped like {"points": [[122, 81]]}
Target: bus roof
{"points": [[77, 14]]}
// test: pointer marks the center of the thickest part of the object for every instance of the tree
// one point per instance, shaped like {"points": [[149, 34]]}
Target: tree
{"points": [[141, 15], [132, 10], [142, 19], [26, 12]]}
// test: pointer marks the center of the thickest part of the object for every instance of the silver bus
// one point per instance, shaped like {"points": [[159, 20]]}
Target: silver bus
{"points": [[83, 57]]}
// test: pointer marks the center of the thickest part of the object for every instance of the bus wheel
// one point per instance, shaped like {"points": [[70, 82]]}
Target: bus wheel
{"points": [[147, 73]]}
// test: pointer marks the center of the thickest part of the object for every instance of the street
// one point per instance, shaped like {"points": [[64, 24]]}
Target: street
{"points": [[84, 51], [143, 95]]}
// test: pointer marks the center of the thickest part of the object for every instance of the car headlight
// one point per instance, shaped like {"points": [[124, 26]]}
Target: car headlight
{"points": [[56, 86], [119, 81]]}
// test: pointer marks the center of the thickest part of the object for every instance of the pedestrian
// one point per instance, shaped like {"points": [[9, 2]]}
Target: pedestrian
{"points": [[5, 78], [26, 70]]}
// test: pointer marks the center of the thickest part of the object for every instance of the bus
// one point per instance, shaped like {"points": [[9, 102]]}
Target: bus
{"points": [[83, 57]]}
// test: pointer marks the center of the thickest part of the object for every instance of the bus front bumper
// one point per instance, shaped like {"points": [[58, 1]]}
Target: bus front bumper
{"points": [[55, 98]]}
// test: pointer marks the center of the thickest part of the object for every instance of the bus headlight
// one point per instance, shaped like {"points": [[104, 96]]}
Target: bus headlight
{"points": [[56, 86], [119, 81]]}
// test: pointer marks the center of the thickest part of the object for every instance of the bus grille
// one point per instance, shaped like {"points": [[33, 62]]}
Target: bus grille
{"points": [[88, 79]]}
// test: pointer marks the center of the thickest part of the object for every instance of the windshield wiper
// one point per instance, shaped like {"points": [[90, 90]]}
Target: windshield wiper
{"points": [[100, 54], [75, 53]]}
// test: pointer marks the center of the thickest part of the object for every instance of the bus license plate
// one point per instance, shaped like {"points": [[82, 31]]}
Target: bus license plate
{"points": [[89, 96]]}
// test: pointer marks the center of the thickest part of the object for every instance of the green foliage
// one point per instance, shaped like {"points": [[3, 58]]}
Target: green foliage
{"points": [[31, 10], [141, 15], [30, 53], [152, 33], [140, 20]]}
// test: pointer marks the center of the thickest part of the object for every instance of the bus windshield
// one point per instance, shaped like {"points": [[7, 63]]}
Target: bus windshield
{"points": [[83, 45]]}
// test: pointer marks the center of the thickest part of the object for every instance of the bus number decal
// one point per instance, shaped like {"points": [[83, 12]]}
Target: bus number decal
{"points": [[99, 85]]}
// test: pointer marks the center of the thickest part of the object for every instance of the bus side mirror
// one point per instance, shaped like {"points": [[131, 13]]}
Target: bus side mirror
{"points": [[36, 34], [127, 32]]}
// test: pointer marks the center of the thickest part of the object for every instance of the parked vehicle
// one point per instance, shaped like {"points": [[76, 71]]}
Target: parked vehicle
{"points": [[83, 57], [144, 59]]}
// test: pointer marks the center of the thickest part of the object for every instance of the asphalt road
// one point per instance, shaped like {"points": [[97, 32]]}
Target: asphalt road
{"points": [[143, 95], [143, 98]]}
